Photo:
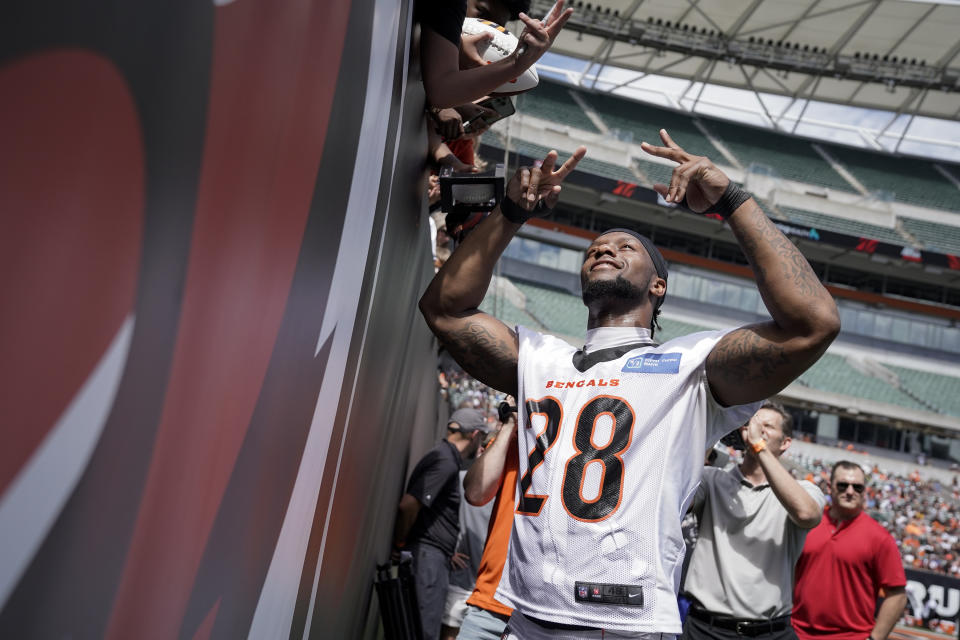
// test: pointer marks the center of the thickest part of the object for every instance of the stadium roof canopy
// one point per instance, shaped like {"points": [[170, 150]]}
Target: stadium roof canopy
{"points": [[895, 55]]}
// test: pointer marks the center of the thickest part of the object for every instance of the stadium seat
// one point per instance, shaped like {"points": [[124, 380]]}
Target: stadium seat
{"points": [[940, 391], [907, 179], [843, 225], [655, 172], [501, 308], [644, 123], [834, 374], [934, 236], [790, 157], [559, 311], [671, 328], [550, 101], [588, 165]]}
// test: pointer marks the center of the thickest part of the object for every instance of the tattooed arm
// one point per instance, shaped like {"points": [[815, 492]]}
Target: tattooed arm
{"points": [[757, 361], [485, 347]]}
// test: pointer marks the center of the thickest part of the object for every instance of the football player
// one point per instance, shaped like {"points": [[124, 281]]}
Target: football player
{"points": [[611, 436]]}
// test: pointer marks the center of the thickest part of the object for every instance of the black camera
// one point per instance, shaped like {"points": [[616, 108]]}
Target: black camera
{"points": [[504, 411], [464, 193], [735, 440]]}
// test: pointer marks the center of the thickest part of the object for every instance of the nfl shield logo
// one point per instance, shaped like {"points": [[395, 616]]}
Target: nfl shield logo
{"points": [[582, 591]]}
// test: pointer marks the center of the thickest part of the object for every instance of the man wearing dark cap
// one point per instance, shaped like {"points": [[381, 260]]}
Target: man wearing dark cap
{"points": [[611, 435], [428, 516]]}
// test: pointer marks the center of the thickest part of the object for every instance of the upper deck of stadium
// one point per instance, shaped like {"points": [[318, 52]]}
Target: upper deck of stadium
{"points": [[882, 229]]}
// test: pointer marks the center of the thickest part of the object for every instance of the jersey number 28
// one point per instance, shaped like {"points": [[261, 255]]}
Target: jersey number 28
{"points": [[611, 480]]}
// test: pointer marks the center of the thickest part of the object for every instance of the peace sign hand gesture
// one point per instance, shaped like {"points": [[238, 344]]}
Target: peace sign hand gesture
{"points": [[530, 186], [696, 179]]}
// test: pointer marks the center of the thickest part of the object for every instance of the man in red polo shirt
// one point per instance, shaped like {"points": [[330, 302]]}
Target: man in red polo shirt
{"points": [[848, 562]]}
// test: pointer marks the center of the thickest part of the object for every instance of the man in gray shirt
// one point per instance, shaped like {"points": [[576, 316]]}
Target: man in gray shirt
{"points": [[753, 521]]}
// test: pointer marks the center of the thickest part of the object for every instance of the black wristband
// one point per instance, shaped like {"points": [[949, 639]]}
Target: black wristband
{"points": [[517, 214], [731, 200]]}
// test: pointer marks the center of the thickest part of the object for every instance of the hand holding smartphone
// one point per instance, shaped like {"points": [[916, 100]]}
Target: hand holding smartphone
{"points": [[499, 108]]}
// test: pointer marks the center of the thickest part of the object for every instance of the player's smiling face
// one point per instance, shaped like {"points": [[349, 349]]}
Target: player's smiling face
{"points": [[616, 254]]}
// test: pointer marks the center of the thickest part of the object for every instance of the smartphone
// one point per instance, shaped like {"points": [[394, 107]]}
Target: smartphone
{"points": [[502, 105]]}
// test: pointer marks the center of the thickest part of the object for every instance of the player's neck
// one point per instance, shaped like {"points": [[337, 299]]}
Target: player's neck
{"points": [[618, 316]]}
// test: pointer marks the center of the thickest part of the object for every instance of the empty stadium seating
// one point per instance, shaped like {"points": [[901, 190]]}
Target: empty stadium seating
{"points": [[671, 328], [834, 374], [843, 225], [500, 307], [952, 169], [559, 311], [905, 179], [940, 391], [791, 158], [644, 123], [551, 101], [654, 171], [589, 165], [934, 236], [908, 180]]}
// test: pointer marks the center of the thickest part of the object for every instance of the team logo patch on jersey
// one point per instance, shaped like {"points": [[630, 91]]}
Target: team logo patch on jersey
{"points": [[654, 363], [602, 593]]}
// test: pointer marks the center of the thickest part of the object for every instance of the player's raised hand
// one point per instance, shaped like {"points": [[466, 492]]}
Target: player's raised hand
{"points": [[541, 183], [695, 178]]}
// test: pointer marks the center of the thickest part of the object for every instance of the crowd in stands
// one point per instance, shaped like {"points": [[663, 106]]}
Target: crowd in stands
{"points": [[922, 515], [463, 392]]}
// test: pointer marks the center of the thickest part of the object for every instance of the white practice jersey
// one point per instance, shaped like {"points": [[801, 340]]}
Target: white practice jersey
{"points": [[610, 457]]}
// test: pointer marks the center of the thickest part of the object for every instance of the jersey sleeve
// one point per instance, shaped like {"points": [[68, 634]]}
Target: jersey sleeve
{"points": [[429, 477], [720, 420], [888, 566]]}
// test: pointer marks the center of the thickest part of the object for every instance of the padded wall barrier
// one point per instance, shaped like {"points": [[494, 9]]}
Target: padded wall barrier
{"points": [[212, 366]]}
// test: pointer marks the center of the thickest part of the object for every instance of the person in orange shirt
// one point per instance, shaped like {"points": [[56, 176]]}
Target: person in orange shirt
{"points": [[494, 474]]}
